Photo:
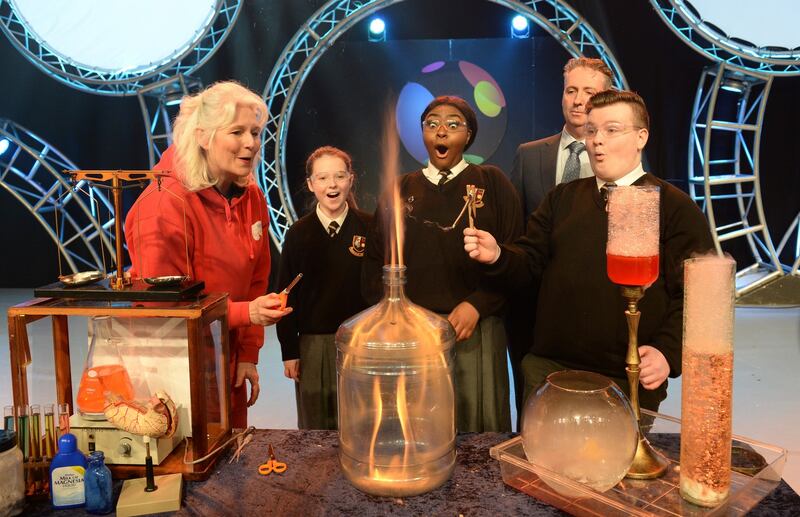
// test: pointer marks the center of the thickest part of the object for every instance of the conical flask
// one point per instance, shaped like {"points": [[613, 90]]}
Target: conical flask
{"points": [[397, 426], [103, 372]]}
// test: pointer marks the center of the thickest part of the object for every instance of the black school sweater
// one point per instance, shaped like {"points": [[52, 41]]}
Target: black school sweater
{"points": [[440, 274], [330, 291]]}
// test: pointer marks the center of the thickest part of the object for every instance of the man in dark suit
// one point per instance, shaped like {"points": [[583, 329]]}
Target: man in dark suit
{"points": [[542, 164]]}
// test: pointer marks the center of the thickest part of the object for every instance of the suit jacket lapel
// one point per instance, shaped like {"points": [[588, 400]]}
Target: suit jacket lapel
{"points": [[548, 159]]}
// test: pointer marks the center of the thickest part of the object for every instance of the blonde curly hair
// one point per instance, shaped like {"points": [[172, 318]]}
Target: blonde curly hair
{"points": [[211, 109]]}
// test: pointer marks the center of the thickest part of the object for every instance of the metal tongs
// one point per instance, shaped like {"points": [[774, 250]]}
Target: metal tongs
{"points": [[285, 293]]}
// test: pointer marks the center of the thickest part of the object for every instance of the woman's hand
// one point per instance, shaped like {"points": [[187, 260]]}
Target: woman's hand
{"points": [[464, 318], [250, 372], [291, 369], [266, 310]]}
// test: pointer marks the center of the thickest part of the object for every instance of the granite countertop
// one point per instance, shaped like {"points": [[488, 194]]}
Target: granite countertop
{"points": [[314, 484]]}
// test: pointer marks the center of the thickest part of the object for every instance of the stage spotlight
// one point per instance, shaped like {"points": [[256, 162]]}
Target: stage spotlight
{"points": [[520, 28], [3, 145], [733, 85], [377, 30]]}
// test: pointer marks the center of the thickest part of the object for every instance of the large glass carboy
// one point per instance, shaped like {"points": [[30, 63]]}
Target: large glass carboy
{"points": [[103, 372], [397, 426]]}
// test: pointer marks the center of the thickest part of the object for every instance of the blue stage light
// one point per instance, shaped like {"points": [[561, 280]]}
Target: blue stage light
{"points": [[3, 145], [520, 28], [377, 30]]}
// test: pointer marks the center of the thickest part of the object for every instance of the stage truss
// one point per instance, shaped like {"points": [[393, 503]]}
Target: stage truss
{"points": [[320, 32], [711, 42], [160, 103], [31, 171], [731, 100], [119, 83]]}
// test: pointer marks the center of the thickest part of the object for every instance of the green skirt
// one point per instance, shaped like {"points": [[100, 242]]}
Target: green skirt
{"points": [[316, 391], [481, 379]]}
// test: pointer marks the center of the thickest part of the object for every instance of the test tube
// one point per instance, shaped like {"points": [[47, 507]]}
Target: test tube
{"points": [[23, 432], [35, 436], [9, 418], [49, 439], [63, 419]]}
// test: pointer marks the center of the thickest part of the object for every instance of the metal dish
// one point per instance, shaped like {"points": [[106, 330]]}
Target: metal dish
{"points": [[166, 281], [82, 278]]}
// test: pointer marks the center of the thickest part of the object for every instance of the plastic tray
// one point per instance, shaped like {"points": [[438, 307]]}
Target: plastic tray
{"points": [[642, 498]]}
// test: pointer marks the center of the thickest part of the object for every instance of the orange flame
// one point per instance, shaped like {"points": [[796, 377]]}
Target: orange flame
{"points": [[391, 153]]}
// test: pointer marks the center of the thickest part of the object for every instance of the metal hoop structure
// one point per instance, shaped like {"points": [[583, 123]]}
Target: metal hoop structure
{"points": [[30, 170], [724, 163], [319, 33], [119, 83], [160, 103], [746, 71], [710, 41]]}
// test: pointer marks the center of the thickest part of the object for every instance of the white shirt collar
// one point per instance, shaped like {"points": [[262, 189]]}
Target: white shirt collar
{"points": [[432, 173], [325, 220], [626, 180], [567, 139]]}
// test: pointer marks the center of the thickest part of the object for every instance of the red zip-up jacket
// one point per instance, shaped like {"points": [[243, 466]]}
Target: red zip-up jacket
{"points": [[227, 245]]}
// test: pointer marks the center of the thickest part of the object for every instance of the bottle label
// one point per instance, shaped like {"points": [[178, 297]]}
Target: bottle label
{"points": [[67, 486]]}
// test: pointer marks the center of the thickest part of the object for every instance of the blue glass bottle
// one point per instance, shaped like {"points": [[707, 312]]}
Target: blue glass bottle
{"points": [[99, 492]]}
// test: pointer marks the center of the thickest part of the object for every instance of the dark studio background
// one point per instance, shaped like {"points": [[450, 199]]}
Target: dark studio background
{"points": [[342, 101]]}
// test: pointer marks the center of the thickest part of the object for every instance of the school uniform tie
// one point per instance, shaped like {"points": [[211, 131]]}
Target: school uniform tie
{"points": [[604, 191], [572, 168], [443, 179], [332, 228]]}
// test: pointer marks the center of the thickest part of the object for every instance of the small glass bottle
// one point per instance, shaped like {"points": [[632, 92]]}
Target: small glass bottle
{"points": [[98, 486]]}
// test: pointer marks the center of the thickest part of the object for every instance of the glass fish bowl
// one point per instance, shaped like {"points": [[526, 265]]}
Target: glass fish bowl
{"points": [[397, 430], [580, 425]]}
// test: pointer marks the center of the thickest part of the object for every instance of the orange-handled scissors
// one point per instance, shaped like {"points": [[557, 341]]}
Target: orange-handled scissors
{"points": [[285, 293], [272, 465]]}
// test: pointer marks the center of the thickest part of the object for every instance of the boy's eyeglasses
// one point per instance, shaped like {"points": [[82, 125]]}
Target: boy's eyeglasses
{"points": [[611, 130]]}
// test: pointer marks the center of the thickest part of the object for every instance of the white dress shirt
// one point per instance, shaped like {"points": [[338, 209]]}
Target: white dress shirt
{"points": [[626, 180], [325, 220], [432, 173]]}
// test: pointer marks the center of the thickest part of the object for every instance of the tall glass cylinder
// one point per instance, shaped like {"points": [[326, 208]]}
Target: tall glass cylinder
{"points": [[397, 426], [707, 384]]}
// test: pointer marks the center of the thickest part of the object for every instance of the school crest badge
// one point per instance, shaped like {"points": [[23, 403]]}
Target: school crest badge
{"points": [[359, 245], [476, 194]]}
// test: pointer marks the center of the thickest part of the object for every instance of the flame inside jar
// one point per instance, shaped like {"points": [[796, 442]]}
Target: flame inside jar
{"points": [[396, 398]]}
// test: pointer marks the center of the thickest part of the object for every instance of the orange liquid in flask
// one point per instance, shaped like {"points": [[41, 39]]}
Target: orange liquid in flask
{"points": [[97, 380]]}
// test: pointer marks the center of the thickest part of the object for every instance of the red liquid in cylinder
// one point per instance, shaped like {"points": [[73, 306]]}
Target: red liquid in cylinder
{"points": [[97, 380], [632, 270]]}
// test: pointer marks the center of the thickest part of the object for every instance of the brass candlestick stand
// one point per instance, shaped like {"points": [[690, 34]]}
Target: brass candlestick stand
{"points": [[648, 463]]}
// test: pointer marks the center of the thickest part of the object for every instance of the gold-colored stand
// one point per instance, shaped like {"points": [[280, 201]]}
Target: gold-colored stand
{"points": [[648, 463], [119, 281]]}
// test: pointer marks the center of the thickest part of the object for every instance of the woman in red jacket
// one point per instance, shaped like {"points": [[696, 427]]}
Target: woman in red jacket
{"points": [[212, 208]]}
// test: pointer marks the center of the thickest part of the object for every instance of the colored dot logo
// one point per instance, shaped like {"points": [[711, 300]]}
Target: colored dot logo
{"points": [[466, 80]]}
